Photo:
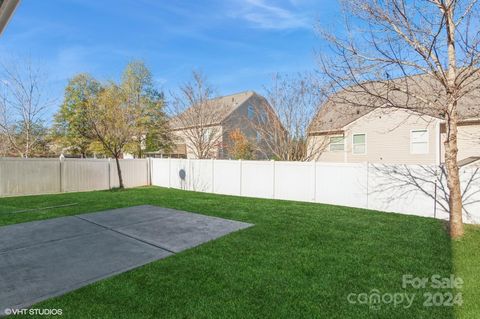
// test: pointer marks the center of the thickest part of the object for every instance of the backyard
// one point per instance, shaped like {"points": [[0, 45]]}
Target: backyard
{"points": [[298, 260]]}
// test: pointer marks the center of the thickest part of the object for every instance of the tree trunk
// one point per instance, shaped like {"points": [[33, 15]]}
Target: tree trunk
{"points": [[451, 146], [119, 171], [453, 179]]}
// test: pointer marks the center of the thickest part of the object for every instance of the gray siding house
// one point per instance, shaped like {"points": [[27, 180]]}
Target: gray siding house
{"points": [[220, 116]]}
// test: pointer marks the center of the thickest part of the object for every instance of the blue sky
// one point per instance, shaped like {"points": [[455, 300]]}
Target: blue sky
{"points": [[238, 44]]}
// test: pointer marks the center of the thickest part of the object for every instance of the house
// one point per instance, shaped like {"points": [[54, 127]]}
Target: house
{"points": [[203, 131], [7, 8], [353, 127]]}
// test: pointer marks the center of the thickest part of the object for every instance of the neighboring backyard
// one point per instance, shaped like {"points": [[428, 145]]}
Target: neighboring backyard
{"points": [[300, 260]]}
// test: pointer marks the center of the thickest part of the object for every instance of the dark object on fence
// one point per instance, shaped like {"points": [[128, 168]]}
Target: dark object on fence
{"points": [[182, 174]]}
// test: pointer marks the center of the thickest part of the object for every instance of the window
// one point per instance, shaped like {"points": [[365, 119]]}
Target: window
{"points": [[250, 112], [359, 144], [337, 143], [419, 142], [207, 134]]}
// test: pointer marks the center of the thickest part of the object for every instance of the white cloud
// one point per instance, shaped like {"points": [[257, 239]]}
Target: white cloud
{"points": [[262, 14]]}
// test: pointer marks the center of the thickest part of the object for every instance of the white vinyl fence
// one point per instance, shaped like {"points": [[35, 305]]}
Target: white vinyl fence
{"points": [[48, 176], [413, 189]]}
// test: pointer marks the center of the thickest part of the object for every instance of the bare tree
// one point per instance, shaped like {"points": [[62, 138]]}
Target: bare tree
{"points": [[3, 145], [23, 104], [197, 117], [294, 100], [421, 56]]}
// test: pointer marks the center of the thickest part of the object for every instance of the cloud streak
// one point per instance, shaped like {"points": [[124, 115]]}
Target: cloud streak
{"points": [[262, 14]]}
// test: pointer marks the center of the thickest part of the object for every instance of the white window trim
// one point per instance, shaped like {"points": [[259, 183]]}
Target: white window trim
{"points": [[428, 141], [353, 145], [330, 143]]}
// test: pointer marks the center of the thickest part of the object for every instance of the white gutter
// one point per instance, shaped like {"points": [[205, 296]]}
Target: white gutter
{"points": [[7, 8]]}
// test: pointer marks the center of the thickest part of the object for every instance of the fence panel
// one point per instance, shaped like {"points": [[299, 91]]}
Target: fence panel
{"points": [[406, 189], [470, 182], [84, 175], [227, 177], [161, 172], [201, 175], [257, 179], [342, 184], [134, 173], [295, 181], [179, 173], [29, 176]]}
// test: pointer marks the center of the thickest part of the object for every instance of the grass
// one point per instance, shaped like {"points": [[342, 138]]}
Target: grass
{"points": [[300, 260]]}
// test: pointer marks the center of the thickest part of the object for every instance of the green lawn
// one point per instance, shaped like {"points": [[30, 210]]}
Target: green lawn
{"points": [[300, 260]]}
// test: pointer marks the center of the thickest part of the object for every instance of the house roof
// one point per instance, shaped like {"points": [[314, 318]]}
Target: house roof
{"points": [[212, 112], [7, 7], [469, 160], [350, 104]]}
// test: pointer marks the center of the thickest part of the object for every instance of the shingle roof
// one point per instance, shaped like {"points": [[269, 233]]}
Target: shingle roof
{"points": [[214, 111], [348, 105]]}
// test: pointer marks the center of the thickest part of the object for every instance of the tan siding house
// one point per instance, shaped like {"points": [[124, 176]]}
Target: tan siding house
{"points": [[382, 136], [353, 134]]}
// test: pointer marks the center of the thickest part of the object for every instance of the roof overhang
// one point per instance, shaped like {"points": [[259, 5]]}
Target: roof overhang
{"points": [[7, 8], [468, 161], [467, 122], [321, 133]]}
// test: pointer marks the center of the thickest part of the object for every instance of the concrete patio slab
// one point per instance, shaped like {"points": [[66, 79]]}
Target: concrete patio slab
{"points": [[37, 273], [38, 232], [181, 231], [127, 216], [43, 259]]}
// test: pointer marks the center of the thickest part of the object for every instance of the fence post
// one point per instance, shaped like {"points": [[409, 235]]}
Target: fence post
{"points": [[109, 173], [240, 161], [149, 171], [435, 194], [61, 175], [273, 179], [188, 181], [1, 178], [169, 172], [314, 181], [368, 185], [213, 175]]}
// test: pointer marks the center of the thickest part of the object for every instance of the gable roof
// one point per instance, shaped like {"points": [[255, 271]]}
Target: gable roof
{"points": [[213, 111], [350, 104]]}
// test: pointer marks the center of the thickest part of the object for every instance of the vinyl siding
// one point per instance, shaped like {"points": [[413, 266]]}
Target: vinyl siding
{"points": [[180, 135], [468, 139], [387, 139], [320, 145]]}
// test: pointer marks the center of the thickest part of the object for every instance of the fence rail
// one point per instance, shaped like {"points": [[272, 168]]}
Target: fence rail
{"points": [[412, 189]]}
